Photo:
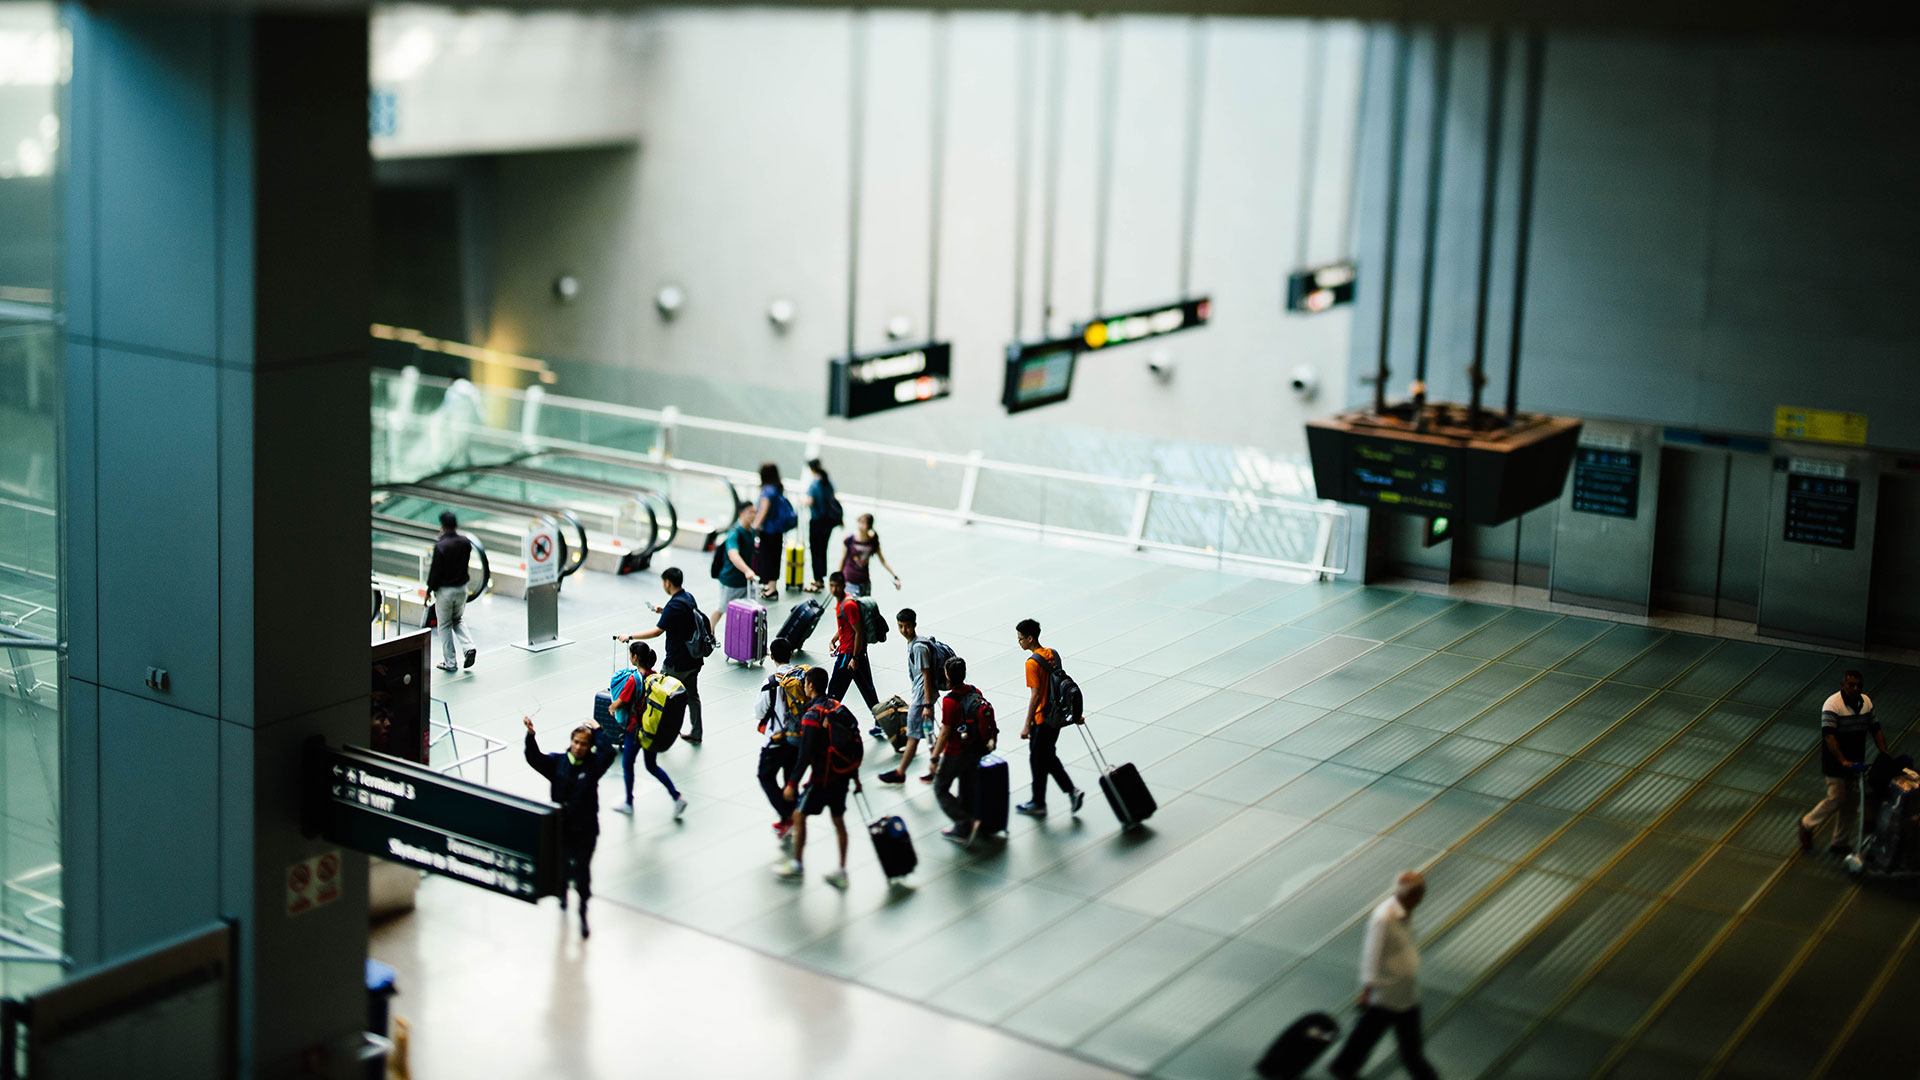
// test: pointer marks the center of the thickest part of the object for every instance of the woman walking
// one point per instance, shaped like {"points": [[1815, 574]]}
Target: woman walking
{"points": [[863, 547], [825, 515], [773, 516]]}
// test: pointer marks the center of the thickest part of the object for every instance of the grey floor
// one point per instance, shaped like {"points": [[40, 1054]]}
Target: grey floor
{"points": [[1604, 811]]}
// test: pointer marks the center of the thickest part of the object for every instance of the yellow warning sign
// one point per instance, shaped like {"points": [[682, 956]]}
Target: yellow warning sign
{"points": [[1820, 425]]}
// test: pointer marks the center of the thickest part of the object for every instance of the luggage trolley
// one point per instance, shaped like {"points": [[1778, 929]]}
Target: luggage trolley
{"points": [[1888, 843]]}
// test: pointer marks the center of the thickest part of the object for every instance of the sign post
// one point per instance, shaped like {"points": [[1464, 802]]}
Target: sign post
{"points": [[397, 810], [541, 553]]}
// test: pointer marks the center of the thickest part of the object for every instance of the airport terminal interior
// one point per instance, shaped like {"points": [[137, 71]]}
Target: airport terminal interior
{"points": [[1466, 468]]}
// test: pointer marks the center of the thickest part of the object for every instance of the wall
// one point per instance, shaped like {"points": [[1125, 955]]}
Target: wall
{"points": [[740, 196], [1720, 227]]}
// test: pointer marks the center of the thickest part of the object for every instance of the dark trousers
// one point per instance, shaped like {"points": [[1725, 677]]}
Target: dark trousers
{"points": [[819, 535], [779, 766], [1373, 1024], [845, 672], [691, 679], [953, 766], [766, 557], [630, 750], [1045, 758], [580, 865]]}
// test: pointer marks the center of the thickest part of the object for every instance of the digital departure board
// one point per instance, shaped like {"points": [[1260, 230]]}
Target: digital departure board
{"points": [[1606, 482], [1403, 476], [1318, 288], [1039, 373], [875, 382], [1822, 510], [400, 811], [1106, 331]]}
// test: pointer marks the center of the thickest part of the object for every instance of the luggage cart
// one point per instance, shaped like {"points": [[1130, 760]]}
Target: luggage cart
{"points": [[1888, 843]]}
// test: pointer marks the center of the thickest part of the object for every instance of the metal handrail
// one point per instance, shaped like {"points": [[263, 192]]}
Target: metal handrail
{"points": [[638, 496], [572, 557]]}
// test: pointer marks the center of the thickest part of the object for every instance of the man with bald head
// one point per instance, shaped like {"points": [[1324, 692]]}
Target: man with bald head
{"points": [[1389, 984]]}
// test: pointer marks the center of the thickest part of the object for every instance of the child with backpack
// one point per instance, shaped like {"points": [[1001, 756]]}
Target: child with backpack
{"points": [[648, 707], [773, 518], [831, 749], [777, 711], [968, 732]]}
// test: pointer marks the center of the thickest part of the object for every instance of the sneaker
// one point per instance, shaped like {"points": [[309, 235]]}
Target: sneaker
{"points": [[785, 838], [447, 667], [1032, 809], [1806, 839], [927, 779], [963, 837], [891, 776], [1079, 799], [625, 808], [471, 654], [876, 732], [585, 931], [837, 879], [690, 739], [679, 806], [788, 870], [780, 827]]}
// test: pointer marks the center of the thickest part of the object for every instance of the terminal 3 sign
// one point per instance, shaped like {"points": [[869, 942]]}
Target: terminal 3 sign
{"points": [[875, 382], [400, 811], [1106, 331]]}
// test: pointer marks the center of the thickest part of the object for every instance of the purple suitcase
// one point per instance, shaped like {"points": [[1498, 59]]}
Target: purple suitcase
{"points": [[745, 632]]}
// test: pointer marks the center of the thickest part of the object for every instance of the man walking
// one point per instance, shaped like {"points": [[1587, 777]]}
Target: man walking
{"points": [[1845, 721], [926, 663], [1389, 985], [967, 731], [777, 711], [1041, 731], [824, 730], [573, 781], [447, 581], [735, 560], [850, 666], [681, 620]]}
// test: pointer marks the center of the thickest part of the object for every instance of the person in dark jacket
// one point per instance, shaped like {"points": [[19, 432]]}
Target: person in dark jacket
{"points": [[574, 779], [447, 582]]}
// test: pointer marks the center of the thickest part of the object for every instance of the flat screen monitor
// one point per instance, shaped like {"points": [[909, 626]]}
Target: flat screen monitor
{"points": [[1039, 373]]}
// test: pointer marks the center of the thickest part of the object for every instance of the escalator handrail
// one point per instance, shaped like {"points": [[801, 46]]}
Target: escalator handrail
{"points": [[667, 468], [394, 526], [572, 557], [640, 495]]}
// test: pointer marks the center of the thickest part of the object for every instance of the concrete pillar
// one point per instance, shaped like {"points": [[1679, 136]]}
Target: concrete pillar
{"points": [[215, 290]]}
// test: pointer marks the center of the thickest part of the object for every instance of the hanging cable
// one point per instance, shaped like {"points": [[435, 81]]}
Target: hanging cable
{"points": [[1529, 157], [1310, 140], [1396, 134], [1022, 168], [856, 137], [1489, 202], [1196, 114], [1056, 107], [936, 166], [1436, 166], [1103, 182]]}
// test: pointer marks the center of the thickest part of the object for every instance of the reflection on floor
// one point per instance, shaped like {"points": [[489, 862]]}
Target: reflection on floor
{"points": [[1605, 813]]}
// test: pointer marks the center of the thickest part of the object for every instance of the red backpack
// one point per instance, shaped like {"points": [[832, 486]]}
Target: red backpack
{"points": [[977, 728]]}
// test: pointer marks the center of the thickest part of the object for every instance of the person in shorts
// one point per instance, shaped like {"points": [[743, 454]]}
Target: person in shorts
{"points": [[922, 698], [824, 791]]}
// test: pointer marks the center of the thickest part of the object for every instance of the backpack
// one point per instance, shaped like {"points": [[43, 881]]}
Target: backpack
{"points": [[621, 689], [782, 517], [790, 686], [1064, 705], [934, 669], [665, 708], [846, 747], [874, 623], [829, 509], [977, 727], [701, 643], [720, 549]]}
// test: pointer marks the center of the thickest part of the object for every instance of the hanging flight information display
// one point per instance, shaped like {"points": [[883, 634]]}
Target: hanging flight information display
{"points": [[1106, 331], [875, 382], [1318, 288], [1039, 373], [1468, 477]]}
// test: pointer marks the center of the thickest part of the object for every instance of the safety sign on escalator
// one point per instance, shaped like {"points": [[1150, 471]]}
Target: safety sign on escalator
{"points": [[542, 555]]}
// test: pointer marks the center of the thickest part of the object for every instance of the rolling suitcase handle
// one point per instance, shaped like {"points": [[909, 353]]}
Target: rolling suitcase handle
{"points": [[1093, 749]]}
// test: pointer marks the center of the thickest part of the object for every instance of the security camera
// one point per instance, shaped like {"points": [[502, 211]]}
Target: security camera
{"points": [[899, 327], [1160, 365], [1306, 381]]}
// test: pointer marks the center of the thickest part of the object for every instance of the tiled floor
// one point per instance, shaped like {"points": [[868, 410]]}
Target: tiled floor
{"points": [[1604, 812]]}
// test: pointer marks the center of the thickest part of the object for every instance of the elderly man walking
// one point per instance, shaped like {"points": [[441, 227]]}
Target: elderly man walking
{"points": [[1389, 984]]}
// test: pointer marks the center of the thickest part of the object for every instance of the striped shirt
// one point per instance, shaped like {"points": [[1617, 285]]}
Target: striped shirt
{"points": [[1849, 728]]}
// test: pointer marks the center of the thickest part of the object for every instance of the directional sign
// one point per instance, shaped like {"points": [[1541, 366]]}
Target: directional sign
{"points": [[391, 808], [1106, 331], [875, 382], [542, 554], [1318, 288]]}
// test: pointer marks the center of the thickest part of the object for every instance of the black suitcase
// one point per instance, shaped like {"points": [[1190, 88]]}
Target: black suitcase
{"points": [[986, 791], [1298, 1047], [603, 709], [800, 624], [1126, 792], [891, 843]]}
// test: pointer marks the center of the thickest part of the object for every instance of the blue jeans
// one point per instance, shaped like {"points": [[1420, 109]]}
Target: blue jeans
{"points": [[630, 750]]}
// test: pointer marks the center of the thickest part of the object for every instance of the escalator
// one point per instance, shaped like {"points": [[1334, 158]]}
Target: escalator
{"points": [[627, 519], [502, 521], [703, 504], [402, 556]]}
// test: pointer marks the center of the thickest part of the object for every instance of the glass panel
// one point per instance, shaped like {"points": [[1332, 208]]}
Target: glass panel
{"points": [[30, 384]]}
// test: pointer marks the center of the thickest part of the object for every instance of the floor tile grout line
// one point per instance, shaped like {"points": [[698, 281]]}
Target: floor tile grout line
{"points": [[1867, 1001]]}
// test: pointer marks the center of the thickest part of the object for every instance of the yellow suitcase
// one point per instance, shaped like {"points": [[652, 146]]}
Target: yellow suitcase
{"points": [[795, 574]]}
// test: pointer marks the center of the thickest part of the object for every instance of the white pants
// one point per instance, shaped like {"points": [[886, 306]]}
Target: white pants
{"points": [[1841, 804], [450, 606]]}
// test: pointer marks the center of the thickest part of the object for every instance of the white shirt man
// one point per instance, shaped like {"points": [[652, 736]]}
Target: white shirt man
{"points": [[1389, 984]]}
